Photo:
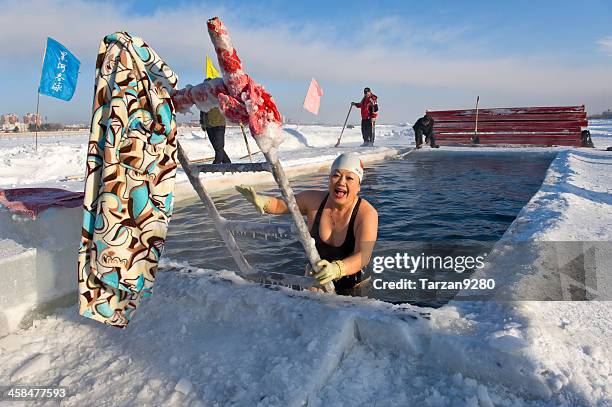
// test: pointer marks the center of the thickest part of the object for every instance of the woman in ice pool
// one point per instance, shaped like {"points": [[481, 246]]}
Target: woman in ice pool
{"points": [[343, 225]]}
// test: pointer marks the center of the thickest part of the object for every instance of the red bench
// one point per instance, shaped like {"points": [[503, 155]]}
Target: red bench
{"points": [[547, 126]]}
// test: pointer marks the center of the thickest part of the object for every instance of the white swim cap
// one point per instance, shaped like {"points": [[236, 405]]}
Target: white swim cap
{"points": [[350, 162]]}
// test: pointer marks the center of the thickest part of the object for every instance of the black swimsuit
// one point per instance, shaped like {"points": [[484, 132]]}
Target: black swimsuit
{"points": [[331, 253]]}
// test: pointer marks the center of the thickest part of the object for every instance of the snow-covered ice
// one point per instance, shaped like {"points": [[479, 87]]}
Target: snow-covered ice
{"points": [[209, 338], [59, 161]]}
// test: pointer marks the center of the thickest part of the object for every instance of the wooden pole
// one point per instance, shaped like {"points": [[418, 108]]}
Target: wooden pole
{"points": [[476, 139], [302, 229], [246, 141], [233, 78], [345, 121], [42, 65], [36, 120]]}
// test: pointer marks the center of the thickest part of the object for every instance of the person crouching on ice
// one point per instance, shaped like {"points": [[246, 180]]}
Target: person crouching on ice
{"points": [[343, 225], [424, 126]]}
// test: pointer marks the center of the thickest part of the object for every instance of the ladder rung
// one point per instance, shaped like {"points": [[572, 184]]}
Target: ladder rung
{"points": [[237, 167], [286, 280], [279, 230]]}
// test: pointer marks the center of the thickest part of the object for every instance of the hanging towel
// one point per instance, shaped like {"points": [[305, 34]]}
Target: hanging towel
{"points": [[131, 166], [33, 201]]}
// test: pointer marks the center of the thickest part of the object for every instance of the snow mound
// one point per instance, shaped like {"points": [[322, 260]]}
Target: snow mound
{"points": [[210, 338]]}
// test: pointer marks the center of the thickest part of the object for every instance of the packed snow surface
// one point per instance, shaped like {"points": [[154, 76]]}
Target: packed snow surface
{"points": [[59, 161], [209, 338]]}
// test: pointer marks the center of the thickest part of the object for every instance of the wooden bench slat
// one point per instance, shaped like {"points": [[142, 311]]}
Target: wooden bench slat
{"points": [[509, 135], [527, 139], [513, 110], [542, 142], [509, 142], [471, 118], [539, 126]]}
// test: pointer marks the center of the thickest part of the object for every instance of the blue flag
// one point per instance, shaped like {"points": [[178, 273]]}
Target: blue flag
{"points": [[60, 71]]}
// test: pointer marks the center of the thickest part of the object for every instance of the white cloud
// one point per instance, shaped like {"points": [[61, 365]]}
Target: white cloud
{"points": [[281, 51], [81, 25], [606, 44]]}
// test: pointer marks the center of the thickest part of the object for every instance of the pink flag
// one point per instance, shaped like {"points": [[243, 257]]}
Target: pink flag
{"points": [[313, 97]]}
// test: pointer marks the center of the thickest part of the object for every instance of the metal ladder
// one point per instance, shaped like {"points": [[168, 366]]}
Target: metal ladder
{"points": [[226, 227]]}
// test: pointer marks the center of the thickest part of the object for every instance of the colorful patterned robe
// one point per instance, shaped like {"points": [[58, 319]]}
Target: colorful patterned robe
{"points": [[131, 167]]}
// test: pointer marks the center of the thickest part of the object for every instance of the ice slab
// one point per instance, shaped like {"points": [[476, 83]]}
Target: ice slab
{"points": [[37, 263]]}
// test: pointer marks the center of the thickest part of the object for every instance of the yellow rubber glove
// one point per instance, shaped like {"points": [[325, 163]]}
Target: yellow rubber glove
{"points": [[259, 201], [327, 271]]}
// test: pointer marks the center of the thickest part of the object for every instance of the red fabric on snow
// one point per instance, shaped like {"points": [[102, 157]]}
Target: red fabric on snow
{"points": [[32, 201]]}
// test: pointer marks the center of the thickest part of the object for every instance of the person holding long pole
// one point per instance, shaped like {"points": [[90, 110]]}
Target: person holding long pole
{"points": [[369, 113]]}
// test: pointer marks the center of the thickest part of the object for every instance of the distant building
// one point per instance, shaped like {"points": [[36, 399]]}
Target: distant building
{"points": [[32, 118], [9, 121], [9, 118]]}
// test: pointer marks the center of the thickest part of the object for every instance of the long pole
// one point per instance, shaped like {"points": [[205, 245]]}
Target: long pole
{"points": [[476, 139], [373, 131], [36, 119], [345, 121], [302, 229], [42, 65], [246, 141]]}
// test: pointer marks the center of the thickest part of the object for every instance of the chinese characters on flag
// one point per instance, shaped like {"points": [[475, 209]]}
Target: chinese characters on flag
{"points": [[60, 71]]}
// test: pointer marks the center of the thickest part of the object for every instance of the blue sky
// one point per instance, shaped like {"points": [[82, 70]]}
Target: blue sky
{"points": [[414, 54]]}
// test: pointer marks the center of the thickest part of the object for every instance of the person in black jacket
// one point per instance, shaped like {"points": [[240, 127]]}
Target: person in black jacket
{"points": [[424, 126]]}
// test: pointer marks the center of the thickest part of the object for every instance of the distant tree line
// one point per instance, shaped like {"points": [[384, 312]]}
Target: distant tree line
{"points": [[605, 115], [46, 127]]}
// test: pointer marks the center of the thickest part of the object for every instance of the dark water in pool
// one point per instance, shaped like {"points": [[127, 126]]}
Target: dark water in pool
{"points": [[429, 198]]}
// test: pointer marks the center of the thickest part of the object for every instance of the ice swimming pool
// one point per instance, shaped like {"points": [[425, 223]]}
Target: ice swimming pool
{"points": [[443, 199]]}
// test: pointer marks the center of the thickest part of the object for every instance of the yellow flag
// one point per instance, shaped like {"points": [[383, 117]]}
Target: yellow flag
{"points": [[211, 71]]}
